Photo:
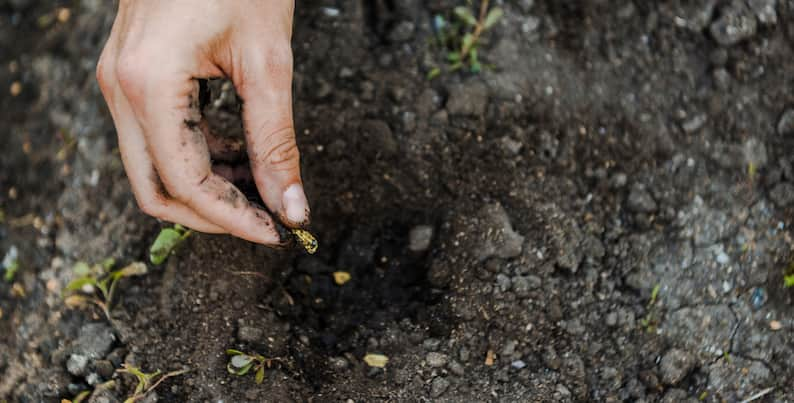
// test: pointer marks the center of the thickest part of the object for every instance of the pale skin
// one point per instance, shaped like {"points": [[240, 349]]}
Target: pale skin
{"points": [[147, 72]]}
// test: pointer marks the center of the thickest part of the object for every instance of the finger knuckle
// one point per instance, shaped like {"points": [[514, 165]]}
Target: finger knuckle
{"points": [[282, 151], [152, 206]]}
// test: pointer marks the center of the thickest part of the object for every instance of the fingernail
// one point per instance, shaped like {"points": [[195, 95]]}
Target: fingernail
{"points": [[296, 208]]}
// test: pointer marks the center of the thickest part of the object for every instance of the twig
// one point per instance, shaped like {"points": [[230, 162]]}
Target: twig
{"points": [[758, 395], [477, 30]]}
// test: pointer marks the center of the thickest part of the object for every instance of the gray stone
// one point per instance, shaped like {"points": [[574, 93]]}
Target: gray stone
{"points": [[403, 31], [735, 24], [76, 365], [674, 395], [503, 282], [469, 98], [640, 200], [420, 237], [785, 126], [704, 330], [755, 152], [500, 238], [722, 79], [438, 387], [782, 194], [95, 341], [764, 10], [522, 285], [250, 334], [737, 378], [675, 366], [456, 368], [436, 360], [694, 124]]}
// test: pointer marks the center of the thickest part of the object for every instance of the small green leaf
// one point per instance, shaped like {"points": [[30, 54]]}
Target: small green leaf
{"points": [[654, 294], [474, 61], [465, 15], [493, 17], [232, 351], [468, 41], [453, 57], [11, 271], [433, 73], [78, 283], [108, 263], [260, 375], [164, 244], [788, 281], [133, 269], [241, 361], [81, 269]]}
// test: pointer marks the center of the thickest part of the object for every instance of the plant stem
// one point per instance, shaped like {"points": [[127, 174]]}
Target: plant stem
{"points": [[477, 30]]}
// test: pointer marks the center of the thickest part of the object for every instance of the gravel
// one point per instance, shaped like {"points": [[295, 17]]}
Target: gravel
{"points": [[95, 341], [501, 240], [785, 126], [439, 386], [436, 360], [735, 24], [469, 98], [640, 200], [420, 237], [77, 364], [675, 366], [782, 194], [250, 334]]}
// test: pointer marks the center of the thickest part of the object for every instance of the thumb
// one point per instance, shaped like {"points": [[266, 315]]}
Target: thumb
{"points": [[266, 90]]}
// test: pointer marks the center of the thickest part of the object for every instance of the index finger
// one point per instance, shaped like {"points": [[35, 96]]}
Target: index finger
{"points": [[166, 106]]}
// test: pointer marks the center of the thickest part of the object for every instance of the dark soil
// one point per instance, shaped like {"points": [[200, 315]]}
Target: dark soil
{"points": [[505, 231]]}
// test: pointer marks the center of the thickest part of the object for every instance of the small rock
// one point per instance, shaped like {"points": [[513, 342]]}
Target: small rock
{"points": [[782, 194], [612, 319], [93, 379], [518, 364], [76, 365], [402, 32], [501, 240], [509, 348], [764, 10], [503, 282], [456, 368], [419, 238], [640, 200], [436, 360], [785, 126], [338, 362], [736, 23], [250, 334], [95, 341], [722, 79], [758, 298], [675, 366], [755, 152], [509, 146], [104, 368], [522, 285], [438, 387], [469, 98], [431, 344]]}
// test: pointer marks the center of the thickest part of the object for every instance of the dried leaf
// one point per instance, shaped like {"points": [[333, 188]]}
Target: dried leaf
{"points": [[341, 277], [376, 360], [489, 358]]}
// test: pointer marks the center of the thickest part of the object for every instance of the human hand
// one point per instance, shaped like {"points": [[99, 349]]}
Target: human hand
{"points": [[148, 74]]}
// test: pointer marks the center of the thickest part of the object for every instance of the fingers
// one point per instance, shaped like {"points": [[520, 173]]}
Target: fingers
{"points": [[165, 103], [145, 183], [265, 85]]}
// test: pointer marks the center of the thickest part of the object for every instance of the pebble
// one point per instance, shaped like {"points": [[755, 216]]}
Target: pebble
{"points": [[503, 282], [522, 285], [76, 365], [785, 126], [640, 200], [694, 124], [764, 10], [436, 360], [456, 368], [420, 237], [782, 194], [250, 334], [95, 340], [735, 24], [675, 366], [612, 319], [758, 298], [402, 32], [438, 387], [518, 364]]}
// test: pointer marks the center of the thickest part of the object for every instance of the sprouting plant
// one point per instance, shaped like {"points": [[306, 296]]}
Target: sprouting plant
{"points": [[241, 363], [788, 275], [146, 382], [166, 242], [460, 36], [97, 284], [10, 264], [649, 322]]}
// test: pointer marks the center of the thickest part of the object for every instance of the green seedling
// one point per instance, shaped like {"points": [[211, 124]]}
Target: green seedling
{"points": [[460, 36], [97, 284], [146, 382], [241, 363], [788, 275], [10, 264], [166, 242], [649, 321]]}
